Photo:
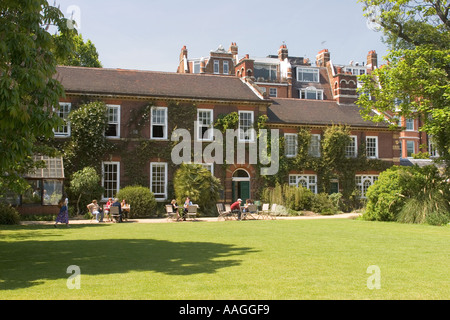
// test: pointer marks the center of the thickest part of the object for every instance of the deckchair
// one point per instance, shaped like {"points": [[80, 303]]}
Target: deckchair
{"points": [[170, 213]]}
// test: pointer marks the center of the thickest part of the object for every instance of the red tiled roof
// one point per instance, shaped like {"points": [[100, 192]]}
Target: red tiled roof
{"points": [[153, 84], [317, 112]]}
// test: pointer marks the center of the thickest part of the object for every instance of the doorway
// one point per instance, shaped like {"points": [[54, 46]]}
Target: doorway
{"points": [[240, 185]]}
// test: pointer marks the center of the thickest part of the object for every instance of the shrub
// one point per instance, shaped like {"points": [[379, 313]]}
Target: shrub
{"points": [[409, 194], [197, 183], [8, 215], [292, 197], [323, 204], [141, 200]]}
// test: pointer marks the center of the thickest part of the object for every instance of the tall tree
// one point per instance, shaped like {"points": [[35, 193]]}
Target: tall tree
{"points": [[84, 54], [415, 82], [28, 88]]}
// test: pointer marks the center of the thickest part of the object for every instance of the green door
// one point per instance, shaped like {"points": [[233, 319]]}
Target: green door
{"points": [[240, 189]]}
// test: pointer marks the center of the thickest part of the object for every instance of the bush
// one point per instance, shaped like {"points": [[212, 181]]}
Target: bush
{"points": [[409, 194], [8, 215], [291, 197], [323, 204], [141, 200]]}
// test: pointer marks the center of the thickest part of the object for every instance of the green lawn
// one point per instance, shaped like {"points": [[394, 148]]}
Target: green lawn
{"points": [[282, 259]]}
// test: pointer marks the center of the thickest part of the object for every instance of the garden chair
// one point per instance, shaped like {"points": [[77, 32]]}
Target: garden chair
{"points": [[222, 212], [192, 211], [251, 210], [231, 214], [273, 211], [264, 213], [114, 213], [170, 213]]}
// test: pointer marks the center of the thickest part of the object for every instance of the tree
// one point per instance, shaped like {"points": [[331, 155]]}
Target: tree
{"points": [[197, 183], [85, 182], [88, 143], [415, 82], [28, 89], [84, 54]]}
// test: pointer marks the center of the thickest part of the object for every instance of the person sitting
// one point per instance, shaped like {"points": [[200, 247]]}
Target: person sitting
{"points": [[236, 208], [125, 208], [107, 205], [186, 205], [95, 210], [174, 205], [117, 204]]}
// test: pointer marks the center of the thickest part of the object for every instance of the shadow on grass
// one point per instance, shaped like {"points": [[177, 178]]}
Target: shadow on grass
{"points": [[25, 263]]}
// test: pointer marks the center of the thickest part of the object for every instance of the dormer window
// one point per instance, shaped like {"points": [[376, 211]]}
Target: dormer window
{"points": [[311, 93], [307, 75]]}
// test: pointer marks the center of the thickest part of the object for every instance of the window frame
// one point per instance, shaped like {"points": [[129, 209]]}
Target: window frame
{"points": [[106, 195], [288, 147], [164, 125], [227, 68], [158, 195], [376, 147], [302, 70], [200, 126], [409, 143], [117, 123], [303, 93], [250, 129], [306, 178], [360, 185], [63, 114], [310, 150], [351, 150], [216, 67]]}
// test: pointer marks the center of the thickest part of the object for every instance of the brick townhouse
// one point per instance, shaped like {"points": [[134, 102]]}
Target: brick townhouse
{"points": [[291, 92]]}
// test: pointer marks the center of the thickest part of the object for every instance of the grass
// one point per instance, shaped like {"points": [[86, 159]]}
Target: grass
{"points": [[295, 259]]}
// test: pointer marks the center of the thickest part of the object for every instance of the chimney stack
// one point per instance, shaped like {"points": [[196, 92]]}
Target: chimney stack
{"points": [[322, 58], [372, 60], [283, 52]]}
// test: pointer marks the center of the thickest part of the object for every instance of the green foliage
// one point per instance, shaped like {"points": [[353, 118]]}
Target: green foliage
{"points": [[88, 144], [417, 71], [85, 183], [227, 121], [409, 194], [8, 215], [141, 200], [323, 204], [291, 197], [197, 183], [28, 88], [83, 54]]}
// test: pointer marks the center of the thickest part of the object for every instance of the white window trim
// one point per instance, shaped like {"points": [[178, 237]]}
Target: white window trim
{"points": [[198, 127], [313, 70], [165, 179], [413, 124], [376, 147], [226, 63], [216, 63], [115, 106], [67, 123], [413, 151], [103, 176], [355, 154], [304, 177], [250, 130], [295, 147], [274, 95], [165, 123], [311, 89], [309, 151], [364, 177]]}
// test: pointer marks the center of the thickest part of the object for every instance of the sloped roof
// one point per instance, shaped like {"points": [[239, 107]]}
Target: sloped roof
{"points": [[154, 84], [317, 112]]}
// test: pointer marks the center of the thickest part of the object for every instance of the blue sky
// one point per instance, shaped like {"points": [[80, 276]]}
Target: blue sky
{"points": [[149, 34]]}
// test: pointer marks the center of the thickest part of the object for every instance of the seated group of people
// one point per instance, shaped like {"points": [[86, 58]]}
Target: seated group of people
{"points": [[183, 211], [237, 209], [96, 210]]}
